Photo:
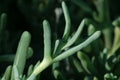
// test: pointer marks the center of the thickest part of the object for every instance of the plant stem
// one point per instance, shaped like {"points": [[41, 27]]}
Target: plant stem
{"points": [[44, 64]]}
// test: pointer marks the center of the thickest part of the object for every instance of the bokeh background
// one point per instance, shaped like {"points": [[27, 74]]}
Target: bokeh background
{"points": [[28, 15]]}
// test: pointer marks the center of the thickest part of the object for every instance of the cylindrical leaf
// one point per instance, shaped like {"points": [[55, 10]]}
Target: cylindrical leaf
{"points": [[68, 21], [20, 58], [86, 63]]}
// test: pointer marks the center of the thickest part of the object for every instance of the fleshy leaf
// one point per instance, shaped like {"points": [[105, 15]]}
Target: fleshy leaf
{"points": [[47, 39], [73, 50], [20, 58], [76, 35], [86, 63], [68, 21]]}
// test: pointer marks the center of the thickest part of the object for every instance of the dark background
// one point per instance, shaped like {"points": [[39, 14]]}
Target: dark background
{"points": [[24, 15]]}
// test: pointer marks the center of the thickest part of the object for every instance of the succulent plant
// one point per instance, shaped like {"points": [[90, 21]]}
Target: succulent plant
{"points": [[91, 52], [61, 50]]}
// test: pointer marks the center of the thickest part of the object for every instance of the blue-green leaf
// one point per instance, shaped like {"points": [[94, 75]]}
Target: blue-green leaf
{"points": [[73, 50], [47, 39], [68, 21], [76, 35], [20, 58]]}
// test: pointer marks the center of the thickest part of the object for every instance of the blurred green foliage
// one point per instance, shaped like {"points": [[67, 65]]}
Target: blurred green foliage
{"points": [[98, 61]]}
